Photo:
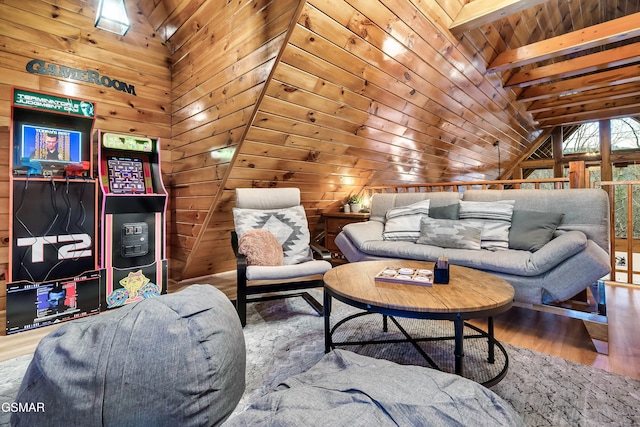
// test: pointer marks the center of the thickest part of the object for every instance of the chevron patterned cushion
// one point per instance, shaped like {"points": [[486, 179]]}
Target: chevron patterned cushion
{"points": [[289, 225], [450, 233]]}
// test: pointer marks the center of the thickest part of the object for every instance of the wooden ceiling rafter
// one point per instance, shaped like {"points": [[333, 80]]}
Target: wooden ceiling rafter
{"points": [[574, 88], [605, 93], [615, 57], [481, 12], [595, 36]]}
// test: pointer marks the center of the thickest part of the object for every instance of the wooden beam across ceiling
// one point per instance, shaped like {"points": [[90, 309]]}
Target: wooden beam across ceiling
{"points": [[594, 36], [587, 97], [616, 57], [481, 12], [591, 116], [576, 85]]}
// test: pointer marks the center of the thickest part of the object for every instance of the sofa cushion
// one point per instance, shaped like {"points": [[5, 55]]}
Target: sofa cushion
{"points": [[531, 230], [403, 223], [585, 209], [289, 225], [450, 233], [402, 250], [510, 261], [445, 212], [382, 202], [496, 220]]}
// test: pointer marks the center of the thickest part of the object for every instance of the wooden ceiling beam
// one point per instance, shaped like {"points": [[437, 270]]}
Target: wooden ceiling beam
{"points": [[481, 12], [591, 116], [603, 105], [596, 35], [586, 97], [603, 79], [616, 57]]}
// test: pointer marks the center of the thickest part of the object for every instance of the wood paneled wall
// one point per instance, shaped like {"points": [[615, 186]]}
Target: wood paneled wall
{"points": [[61, 32], [223, 56], [326, 96]]}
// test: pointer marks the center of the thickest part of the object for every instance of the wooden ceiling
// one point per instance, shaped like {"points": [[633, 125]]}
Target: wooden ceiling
{"points": [[567, 61], [333, 95]]}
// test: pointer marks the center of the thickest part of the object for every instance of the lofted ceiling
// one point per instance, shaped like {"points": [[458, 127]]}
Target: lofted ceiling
{"points": [[567, 61], [333, 95]]}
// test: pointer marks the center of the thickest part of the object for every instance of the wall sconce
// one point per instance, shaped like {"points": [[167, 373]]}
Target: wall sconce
{"points": [[112, 16]]}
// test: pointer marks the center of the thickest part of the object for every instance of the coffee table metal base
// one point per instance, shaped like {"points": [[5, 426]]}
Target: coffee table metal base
{"points": [[458, 337]]}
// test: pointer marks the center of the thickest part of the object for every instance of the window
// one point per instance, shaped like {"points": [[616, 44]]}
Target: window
{"points": [[584, 139], [625, 134]]}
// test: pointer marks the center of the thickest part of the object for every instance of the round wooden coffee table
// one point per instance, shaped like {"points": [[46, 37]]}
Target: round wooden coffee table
{"points": [[470, 294]]}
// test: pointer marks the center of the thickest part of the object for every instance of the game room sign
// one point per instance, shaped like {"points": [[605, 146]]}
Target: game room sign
{"points": [[39, 66]]}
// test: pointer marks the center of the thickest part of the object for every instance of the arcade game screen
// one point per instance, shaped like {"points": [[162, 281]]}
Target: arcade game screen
{"points": [[128, 175], [30, 306], [50, 144]]}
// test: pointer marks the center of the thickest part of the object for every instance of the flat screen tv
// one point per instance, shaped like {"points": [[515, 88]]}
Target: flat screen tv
{"points": [[47, 144]]}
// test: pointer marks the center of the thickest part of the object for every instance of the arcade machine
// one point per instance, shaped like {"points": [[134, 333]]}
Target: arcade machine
{"points": [[134, 203], [53, 272]]}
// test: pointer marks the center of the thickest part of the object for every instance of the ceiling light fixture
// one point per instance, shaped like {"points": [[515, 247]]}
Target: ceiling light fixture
{"points": [[112, 16]]}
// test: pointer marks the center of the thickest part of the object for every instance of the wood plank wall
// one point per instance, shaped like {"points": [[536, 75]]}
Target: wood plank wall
{"points": [[324, 95], [223, 55], [363, 93], [61, 32]]}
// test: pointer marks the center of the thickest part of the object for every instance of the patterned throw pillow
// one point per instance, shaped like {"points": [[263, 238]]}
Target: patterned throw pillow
{"points": [[289, 225], [450, 233], [495, 218], [403, 223]]}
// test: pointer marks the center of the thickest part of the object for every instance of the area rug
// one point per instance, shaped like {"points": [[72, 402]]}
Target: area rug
{"points": [[285, 337]]}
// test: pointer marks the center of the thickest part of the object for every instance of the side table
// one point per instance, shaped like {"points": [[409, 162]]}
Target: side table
{"points": [[333, 223]]}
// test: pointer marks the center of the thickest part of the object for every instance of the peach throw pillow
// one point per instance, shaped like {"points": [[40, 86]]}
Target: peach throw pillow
{"points": [[261, 248]]}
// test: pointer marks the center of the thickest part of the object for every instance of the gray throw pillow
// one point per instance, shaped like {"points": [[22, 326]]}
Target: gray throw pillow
{"points": [[289, 225], [450, 233], [532, 230], [445, 212]]}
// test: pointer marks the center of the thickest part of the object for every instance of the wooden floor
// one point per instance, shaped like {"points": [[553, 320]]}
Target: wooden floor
{"points": [[540, 331]]}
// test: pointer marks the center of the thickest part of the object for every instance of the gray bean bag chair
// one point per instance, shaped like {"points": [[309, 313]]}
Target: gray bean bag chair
{"points": [[173, 360], [348, 389]]}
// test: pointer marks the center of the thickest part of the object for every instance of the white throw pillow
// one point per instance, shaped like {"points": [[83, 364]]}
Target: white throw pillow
{"points": [[289, 225], [403, 223], [495, 218]]}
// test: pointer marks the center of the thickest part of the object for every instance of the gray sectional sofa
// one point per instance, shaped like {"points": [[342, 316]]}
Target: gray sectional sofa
{"points": [[576, 256]]}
